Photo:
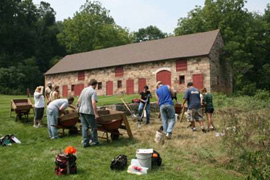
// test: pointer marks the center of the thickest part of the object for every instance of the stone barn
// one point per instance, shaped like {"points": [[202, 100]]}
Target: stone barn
{"points": [[128, 68]]}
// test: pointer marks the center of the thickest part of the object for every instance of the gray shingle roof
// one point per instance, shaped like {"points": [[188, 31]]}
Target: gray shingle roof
{"points": [[191, 45]]}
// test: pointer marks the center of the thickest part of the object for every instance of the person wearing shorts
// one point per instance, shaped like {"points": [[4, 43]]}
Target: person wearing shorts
{"points": [[39, 106], [209, 108], [192, 97]]}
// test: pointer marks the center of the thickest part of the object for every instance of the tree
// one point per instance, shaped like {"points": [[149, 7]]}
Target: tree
{"points": [[148, 33], [91, 28], [243, 34], [28, 44]]}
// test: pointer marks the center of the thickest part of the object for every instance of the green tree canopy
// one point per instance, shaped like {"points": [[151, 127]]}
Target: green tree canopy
{"points": [[91, 28], [244, 34], [148, 33]]}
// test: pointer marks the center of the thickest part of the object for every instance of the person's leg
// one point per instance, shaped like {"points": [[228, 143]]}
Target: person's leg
{"points": [[140, 109], [49, 117], [54, 123], [193, 118], [93, 124], [40, 117], [171, 119], [147, 113], [164, 118], [85, 127], [199, 118]]}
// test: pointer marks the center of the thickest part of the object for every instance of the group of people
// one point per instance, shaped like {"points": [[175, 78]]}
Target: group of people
{"points": [[87, 108], [165, 95], [51, 94], [55, 106]]}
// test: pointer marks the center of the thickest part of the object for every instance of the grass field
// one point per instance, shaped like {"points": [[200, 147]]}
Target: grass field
{"points": [[189, 155]]}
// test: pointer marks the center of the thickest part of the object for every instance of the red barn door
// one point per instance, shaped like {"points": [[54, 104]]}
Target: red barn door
{"points": [[109, 88], [165, 77], [64, 90], [142, 83], [78, 89], [198, 81], [130, 86]]}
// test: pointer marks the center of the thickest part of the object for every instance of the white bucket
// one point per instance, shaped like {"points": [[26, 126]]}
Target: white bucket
{"points": [[160, 136], [144, 159]]}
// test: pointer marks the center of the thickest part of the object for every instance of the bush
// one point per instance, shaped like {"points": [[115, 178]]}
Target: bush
{"points": [[247, 140]]}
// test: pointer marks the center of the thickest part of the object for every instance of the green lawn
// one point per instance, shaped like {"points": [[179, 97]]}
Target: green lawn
{"points": [[187, 156]]}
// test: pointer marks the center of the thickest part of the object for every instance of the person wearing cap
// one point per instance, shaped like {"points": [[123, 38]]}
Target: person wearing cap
{"points": [[145, 104], [192, 97], [164, 96], [88, 113], [48, 91], [53, 110]]}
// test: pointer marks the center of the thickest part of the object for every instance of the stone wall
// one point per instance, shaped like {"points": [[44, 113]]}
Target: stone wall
{"points": [[220, 75], [197, 65]]}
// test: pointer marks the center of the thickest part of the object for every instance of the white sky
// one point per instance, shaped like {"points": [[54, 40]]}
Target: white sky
{"points": [[135, 14]]}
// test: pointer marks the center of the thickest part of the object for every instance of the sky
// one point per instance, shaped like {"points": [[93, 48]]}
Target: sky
{"points": [[136, 14]]}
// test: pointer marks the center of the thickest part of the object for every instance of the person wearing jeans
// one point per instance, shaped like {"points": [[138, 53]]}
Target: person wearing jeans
{"points": [[53, 110], [167, 111], [88, 113], [145, 103]]}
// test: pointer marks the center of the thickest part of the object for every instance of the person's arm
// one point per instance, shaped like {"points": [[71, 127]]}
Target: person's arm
{"points": [[141, 98], [157, 98], [171, 91], [94, 104], [62, 108], [185, 98]]}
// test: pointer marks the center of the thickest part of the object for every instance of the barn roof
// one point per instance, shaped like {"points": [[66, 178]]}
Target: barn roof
{"points": [[191, 45]]}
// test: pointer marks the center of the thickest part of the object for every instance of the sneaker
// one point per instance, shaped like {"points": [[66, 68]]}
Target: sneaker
{"points": [[204, 130], [194, 129], [169, 136], [95, 144], [86, 145]]}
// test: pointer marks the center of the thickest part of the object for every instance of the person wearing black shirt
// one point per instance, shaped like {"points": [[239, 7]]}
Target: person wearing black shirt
{"points": [[145, 104]]}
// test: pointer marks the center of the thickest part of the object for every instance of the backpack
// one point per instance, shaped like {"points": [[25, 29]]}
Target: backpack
{"points": [[65, 164], [156, 159], [119, 163]]}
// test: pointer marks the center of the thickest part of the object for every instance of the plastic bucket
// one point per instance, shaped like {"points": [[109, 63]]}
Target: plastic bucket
{"points": [[160, 136], [144, 159]]}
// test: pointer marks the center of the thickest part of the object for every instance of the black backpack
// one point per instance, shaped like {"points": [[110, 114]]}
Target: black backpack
{"points": [[119, 163], [156, 159]]}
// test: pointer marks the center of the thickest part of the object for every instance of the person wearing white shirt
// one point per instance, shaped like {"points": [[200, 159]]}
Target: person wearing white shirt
{"points": [[39, 106]]}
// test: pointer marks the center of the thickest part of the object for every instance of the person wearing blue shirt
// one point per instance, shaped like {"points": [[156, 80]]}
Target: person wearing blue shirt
{"points": [[167, 111], [192, 97]]}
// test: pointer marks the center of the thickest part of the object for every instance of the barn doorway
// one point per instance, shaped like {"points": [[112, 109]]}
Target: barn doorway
{"points": [[64, 90], [165, 77], [109, 88], [130, 86], [142, 83], [198, 81], [78, 89]]}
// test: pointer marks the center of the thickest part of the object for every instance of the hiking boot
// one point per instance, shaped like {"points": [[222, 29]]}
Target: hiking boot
{"points": [[194, 129]]}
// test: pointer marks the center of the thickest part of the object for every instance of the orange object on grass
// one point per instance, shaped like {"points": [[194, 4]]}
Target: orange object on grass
{"points": [[70, 150], [155, 155]]}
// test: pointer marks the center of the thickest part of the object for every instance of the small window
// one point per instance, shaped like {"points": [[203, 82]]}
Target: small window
{"points": [[72, 87], [81, 76], [99, 85], [119, 84], [181, 65], [181, 79], [119, 71], [217, 79]]}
